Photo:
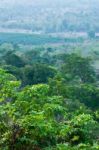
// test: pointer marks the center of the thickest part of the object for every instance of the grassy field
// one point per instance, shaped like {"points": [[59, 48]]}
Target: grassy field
{"points": [[36, 39], [23, 38]]}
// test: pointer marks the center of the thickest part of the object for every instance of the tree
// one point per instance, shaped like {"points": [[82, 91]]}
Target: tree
{"points": [[91, 34], [78, 67], [35, 119], [37, 73], [13, 59]]}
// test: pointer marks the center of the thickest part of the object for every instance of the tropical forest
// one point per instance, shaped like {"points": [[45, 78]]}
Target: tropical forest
{"points": [[49, 75]]}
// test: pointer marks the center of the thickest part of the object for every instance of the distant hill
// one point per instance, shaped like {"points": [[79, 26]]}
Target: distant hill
{"points": [[50, 16]]}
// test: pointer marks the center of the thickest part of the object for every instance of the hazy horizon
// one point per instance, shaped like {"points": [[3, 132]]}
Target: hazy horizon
{"points": [[7, 3], [48, 15]]}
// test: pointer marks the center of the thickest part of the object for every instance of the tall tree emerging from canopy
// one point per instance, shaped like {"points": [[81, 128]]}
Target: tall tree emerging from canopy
{"points": [[78, 67]]}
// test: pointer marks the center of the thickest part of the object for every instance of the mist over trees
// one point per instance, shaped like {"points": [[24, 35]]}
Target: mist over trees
{"points": [[49, 75], [48, 16]]}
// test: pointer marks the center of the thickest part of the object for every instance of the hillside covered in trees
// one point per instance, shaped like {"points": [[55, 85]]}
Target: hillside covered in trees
{"points": [[49, 75], [48, 100]]}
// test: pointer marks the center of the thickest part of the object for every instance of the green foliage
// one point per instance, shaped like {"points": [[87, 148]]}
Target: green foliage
{"points": [[36, 119], [56, 105], [37, 73], [14, 60], [91, 34], [78, 67]]}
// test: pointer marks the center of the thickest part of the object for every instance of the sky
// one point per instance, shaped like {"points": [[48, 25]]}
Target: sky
{"points": [[12, 2], [8, 3]]}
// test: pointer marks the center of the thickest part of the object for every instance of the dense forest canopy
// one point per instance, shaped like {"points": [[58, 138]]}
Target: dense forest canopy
{"points": [[49, 75], [49, 97]]}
